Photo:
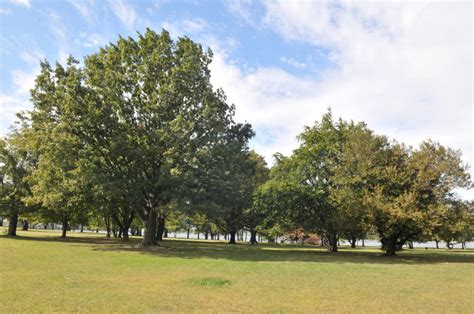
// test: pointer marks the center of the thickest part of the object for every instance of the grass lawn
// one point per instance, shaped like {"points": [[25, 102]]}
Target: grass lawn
{"points": [[41, 273]]}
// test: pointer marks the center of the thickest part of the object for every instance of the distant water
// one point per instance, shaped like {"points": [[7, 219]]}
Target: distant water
{"points": [[368, 243], [429, 244]]}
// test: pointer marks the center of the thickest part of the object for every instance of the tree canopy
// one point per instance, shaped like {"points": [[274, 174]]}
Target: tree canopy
{"points": [[137, 131]]}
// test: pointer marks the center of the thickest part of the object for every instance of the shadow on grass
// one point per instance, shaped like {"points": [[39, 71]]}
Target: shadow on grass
{"points": [[201, 249]]}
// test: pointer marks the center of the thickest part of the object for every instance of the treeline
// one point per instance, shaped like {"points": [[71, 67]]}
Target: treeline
{"points": [[136, 137], [344, 182]]}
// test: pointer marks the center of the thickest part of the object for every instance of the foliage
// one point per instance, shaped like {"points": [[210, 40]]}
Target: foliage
{"points": [[141, 111], [413, 189], [16, 163]]}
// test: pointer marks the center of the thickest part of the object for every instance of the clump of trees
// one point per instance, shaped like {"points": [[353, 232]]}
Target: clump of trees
{"points": [[135, 137], [344, 181]]}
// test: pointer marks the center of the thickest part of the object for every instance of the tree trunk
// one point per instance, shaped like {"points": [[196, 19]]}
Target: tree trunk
{"points": [[271, 240], [253, 237], [206, 235], [45, 226], [149, 238], [353, 242], [26, 225], [82, 228], [198, 235], [13, 221], [390, 246], [160, 229], [107, 224], [410, 244], [125, 236], [65, 225], [437, 244], [188, 230], [333, 243], [124, 218], [232, 238], [363, 242], [1, 221]]}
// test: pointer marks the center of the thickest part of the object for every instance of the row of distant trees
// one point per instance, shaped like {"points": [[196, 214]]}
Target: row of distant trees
{"points": [[136, 137]]}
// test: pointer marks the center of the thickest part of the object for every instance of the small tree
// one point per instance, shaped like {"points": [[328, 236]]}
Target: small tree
{"points": [[412, 187], [16, 163]]}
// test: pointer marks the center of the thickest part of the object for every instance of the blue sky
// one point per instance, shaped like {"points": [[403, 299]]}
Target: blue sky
{"points": [[404, 68]]}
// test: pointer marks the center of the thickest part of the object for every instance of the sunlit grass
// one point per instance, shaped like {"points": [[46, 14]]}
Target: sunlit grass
{"points": [[87, 272]]}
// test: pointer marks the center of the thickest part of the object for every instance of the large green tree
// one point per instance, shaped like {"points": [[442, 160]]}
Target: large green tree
{"points": [[142, 110], [323, 181]]}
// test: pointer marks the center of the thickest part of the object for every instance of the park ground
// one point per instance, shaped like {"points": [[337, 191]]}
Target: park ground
{"points": [[88, 273]]}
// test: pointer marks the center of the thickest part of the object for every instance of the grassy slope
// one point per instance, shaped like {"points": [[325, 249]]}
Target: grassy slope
{"points": [[41, 273]]}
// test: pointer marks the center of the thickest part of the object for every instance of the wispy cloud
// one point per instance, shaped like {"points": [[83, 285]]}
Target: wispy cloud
{"points": [[90, 40], [5, 11], [194, 25], [294, 63], [405, 69], [25, 3], [32, 57], [124, 12], [58, 30], [24, 81], [243, 10], [85, 8], [9, 106]]}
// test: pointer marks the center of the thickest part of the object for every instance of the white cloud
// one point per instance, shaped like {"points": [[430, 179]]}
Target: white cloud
{"points": [[5, 11], [25, 3], [9, 106], [194, 25], [91, 40], [405, 69], [32, 57], [243, 10], [84, 8], [178, 28], [58, 30], [294, 63], [124, 12], [24, 81]]}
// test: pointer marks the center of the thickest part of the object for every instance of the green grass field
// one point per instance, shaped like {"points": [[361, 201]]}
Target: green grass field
{"points": [[42, 273]]}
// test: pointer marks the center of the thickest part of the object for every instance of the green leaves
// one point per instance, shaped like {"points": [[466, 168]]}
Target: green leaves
{"points": [[139, 113]]}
